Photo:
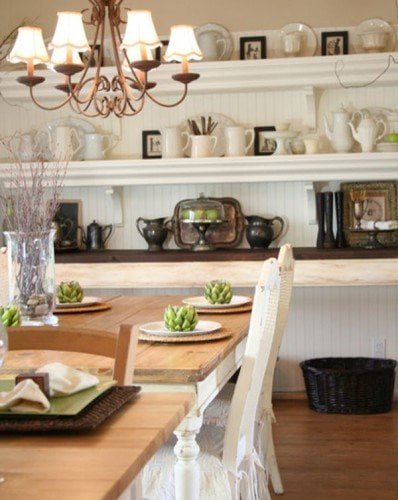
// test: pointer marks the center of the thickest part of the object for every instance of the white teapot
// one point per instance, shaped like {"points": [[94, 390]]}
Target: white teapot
{"points": [[340, 134], [368, 131], [23, 147], [65, 142]]}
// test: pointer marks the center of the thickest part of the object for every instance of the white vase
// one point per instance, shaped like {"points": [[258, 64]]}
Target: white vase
{"points": [[31, 275]]}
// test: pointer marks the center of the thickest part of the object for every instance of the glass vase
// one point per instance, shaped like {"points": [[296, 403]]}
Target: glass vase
{"points": [[31, 275]]}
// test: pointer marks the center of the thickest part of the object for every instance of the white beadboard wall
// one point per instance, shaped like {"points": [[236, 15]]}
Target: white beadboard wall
{"points": [[323, 321]]}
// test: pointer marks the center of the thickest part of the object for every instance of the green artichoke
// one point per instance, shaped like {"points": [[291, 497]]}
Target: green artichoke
{"points": [[180, 318], [69, 292], [218, 292], [10, 315]]}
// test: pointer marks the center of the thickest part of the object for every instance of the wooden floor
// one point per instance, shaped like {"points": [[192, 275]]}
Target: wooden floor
{"points": [[342, 457]]}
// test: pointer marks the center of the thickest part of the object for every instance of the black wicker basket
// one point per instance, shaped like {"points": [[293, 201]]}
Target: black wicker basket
{"points": [[349, 385]]}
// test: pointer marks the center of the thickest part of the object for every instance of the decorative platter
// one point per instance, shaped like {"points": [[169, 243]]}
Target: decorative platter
{"points": [[226, 235], [309, 40]]}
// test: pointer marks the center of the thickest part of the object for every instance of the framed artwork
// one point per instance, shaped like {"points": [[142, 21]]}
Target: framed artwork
{"points": [[160, 51], [263, 146], [253, 47], [334, 43], [151, 144], [67, 220], [380, 204], [94, 58]]}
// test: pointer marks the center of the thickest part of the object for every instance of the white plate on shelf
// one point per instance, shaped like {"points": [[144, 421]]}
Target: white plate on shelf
{"points": [[82, 128], [387, 147], [375, 25], [219, 131], [87, 301], [158, 328], [308, 43], [201, 302], [219, 32]]}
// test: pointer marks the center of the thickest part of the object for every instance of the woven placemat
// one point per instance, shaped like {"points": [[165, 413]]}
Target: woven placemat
{"points": [[101, 306], [205, 337], [225, 310], [88, 419]]}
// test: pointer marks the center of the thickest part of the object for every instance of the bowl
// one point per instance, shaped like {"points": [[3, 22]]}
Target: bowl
{"points": [[391, 137], [374, 41]]}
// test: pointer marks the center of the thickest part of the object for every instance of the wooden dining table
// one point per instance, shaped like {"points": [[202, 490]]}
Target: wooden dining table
{"points": [[100, 464], [200, 368]]}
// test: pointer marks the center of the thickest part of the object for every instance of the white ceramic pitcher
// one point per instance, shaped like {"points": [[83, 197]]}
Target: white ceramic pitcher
{"points": [[238, 140], [96, 146], [202, 146], [340, 134], [368, 132], [172, 142], [64, 143]]}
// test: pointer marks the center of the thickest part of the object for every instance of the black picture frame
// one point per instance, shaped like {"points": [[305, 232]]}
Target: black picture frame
{"points": [[69, 218], [94, 58], [262, 146], [253, 47], [160, 52], [334, 43], [151, 144]]}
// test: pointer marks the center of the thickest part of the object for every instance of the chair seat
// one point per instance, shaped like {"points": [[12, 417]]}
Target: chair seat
{"points": [[158, 476], [217, 411]]}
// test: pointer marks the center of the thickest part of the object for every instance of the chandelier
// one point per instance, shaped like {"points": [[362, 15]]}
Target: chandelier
{"points": [[93, 93]]}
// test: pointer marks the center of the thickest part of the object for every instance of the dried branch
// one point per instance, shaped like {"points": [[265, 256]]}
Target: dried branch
{"points": [[34, 188]]}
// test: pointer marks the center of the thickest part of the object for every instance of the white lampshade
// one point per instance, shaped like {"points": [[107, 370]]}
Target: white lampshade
{"points": [[140, 30], [182, 44], [70, 32], [29, 47], [60, 56]]}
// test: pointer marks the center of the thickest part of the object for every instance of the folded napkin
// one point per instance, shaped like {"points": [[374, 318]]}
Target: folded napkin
{"points": [[24, 397], [381, 224], [65, 380]]}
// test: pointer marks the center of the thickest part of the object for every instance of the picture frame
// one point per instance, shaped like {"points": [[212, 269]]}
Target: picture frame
{"points": [[334, 43], [381, 204], [253, 47], [94, 58], [69, 218], [160, 51], [262, 146], [151, 144]]}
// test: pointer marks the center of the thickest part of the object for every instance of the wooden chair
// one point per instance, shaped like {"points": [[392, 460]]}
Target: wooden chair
{"points": [[119, 346], [217, 412], [230, 465]]}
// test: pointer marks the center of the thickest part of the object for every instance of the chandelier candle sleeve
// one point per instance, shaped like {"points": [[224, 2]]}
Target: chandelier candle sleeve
{"points": [[93, 93]]}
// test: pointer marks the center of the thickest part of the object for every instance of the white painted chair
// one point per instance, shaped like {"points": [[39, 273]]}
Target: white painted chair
{"points": [[229, 464], [218, 411]]}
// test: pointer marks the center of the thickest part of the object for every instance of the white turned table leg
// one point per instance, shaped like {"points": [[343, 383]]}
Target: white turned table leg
{"points": [[186, 469]]}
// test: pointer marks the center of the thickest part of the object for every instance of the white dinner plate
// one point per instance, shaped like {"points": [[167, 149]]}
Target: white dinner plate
{"points": [[219, 131], [158, 328], [87, 301], [200, 301], [371, 25], [220, 33], [309, 41], [82, 128]]}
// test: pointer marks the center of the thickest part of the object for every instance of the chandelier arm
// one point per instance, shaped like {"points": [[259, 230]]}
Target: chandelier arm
{"points": [[49, 108], [168, 105]]}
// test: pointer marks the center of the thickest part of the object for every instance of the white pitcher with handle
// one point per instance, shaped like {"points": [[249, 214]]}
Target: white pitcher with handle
{"points": [[340, 134], [64, 143], [96, 145], [368, 132]]}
